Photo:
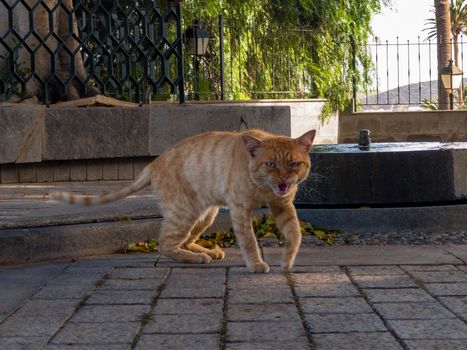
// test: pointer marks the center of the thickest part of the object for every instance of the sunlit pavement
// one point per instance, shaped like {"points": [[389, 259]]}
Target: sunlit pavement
{"points": [[393, 297]]}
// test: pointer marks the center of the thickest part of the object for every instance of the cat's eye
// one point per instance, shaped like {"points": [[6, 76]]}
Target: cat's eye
{"points": [[271, 165], [294, 165]]}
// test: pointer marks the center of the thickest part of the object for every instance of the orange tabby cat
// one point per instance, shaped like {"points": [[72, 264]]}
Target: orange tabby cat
{"points": [[241, 171]]}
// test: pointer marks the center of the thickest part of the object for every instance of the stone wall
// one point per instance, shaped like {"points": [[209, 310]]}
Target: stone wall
{"points": [[73, 170], [39, 144], [442, 126]]}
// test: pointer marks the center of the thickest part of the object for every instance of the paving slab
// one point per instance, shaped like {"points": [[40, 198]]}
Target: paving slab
{"points": [[457, 304], [411, 268], [413, 311], [178, 341], [110, 313], [188, 306], [121, 297], [52, 292], [429, 329], [137, 273], [97, 333], [38, 326], [19, 283], [381, 255], [435, 344], [460, 251], [265, 345], [138, 284], [384, 281], [249, 281], [397, 295], [209, 291], [440, 276], [183, 324], [447, 288], [47, 308], [316, 268], [260, 295], [124, 301], [23, 343], [375, 270], [361, 341], [316, 289], [346, 305], [263, 312], [344, 323], [268, 331], [88, 347], [321, 277]]}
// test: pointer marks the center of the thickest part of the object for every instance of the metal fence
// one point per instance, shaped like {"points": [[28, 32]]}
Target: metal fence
{"points": [[405, 76], [236, 67], [65, 49]]}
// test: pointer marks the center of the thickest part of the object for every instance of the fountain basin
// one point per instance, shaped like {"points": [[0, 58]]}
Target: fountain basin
{"points": [[412, 173]]}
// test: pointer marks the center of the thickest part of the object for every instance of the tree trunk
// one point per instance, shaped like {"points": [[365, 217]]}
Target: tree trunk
{"points": [[41, 65], [460, 94], [443, 28]]}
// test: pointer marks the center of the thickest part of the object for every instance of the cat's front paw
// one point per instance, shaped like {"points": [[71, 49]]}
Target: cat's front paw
{"points": [[287, 262], [260, 267], [286, 265]]}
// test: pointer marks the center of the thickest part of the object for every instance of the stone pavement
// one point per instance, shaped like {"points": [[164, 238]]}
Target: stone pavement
{"points": [[394, 297]]}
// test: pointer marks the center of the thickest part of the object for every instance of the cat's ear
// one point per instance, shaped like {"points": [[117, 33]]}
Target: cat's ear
{"points": [[306, 140], [252, 144]]}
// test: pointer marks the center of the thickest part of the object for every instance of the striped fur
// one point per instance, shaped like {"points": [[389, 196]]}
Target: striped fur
{"points": [[241, 171]]}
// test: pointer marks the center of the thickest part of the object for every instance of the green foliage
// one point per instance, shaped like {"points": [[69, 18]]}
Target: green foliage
{"points": [[264, 228], [458, 15], [11, 70], [142, 247], [431, 105], [301, 47]]}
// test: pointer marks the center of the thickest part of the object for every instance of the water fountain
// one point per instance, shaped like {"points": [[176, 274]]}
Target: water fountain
{"points": [[389, 186]]}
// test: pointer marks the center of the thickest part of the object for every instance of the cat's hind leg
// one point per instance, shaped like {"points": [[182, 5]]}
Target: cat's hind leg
{"points": [[174, 232], [200, 227]]}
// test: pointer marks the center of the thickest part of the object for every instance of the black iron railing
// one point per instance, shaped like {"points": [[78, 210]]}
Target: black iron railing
{"points": [[236, 67], [57, 50], [405, 76]]}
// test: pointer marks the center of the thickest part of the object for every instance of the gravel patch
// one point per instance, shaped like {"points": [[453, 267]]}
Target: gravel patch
{"points": [[391, 238]]}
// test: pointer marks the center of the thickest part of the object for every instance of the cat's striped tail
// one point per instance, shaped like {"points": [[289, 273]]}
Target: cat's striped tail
{"points": [[143, 180]]}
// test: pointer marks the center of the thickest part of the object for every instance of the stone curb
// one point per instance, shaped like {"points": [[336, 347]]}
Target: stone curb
{"points": [[405, 219], [71, 240]]}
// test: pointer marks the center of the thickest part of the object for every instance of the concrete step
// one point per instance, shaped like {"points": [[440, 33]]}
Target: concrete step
{"points": [[34, 228]]}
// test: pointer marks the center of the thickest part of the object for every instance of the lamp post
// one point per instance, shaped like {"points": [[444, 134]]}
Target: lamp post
{"points": [[451, 77], [197, 40]]}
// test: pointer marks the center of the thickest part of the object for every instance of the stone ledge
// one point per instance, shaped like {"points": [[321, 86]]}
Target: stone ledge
{"points": [[28, 244], [442, 126], [35, 133], [20, 132]]}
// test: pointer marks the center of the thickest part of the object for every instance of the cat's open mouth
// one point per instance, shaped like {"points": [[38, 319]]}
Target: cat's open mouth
{"points": [[282, 189]]}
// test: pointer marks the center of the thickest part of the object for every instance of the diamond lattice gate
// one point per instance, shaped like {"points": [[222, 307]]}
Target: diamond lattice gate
{"points": [[60, 50]]}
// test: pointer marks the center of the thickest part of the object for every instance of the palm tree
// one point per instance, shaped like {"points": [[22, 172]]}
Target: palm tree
{"points": [[458, 14], [443, 38]]}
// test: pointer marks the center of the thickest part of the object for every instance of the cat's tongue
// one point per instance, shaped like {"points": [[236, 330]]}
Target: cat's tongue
{"points": [[282, 187]]}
